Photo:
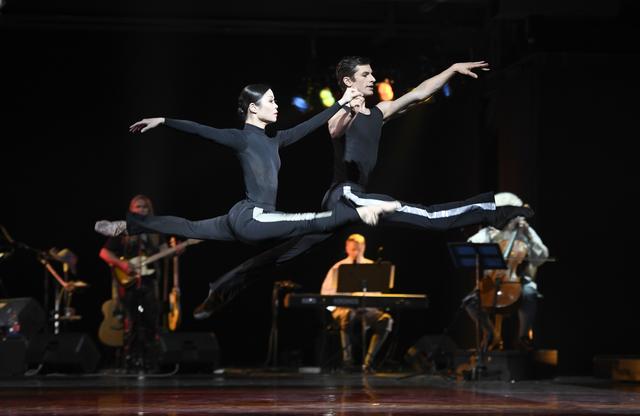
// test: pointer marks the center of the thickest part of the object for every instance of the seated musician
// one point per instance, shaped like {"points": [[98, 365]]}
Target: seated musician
{"points": [[379, 321], [142, 305], [537, 254]]}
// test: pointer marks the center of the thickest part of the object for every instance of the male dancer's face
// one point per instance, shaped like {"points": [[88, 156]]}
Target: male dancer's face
{"points": [[362, 80], [266, 108]]}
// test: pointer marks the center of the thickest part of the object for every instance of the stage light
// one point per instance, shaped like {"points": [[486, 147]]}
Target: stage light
{"points": [[385, 90], [326, 96], [446, 90], [300, 104]]}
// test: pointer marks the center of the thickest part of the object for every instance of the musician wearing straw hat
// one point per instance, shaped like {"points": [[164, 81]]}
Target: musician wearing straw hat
{"points": [[537, 253]]}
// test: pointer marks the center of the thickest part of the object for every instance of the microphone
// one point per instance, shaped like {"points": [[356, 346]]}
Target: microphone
{"points": [[380, 250]]}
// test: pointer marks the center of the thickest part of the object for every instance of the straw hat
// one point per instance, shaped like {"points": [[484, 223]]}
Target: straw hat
{"points": [[507, 198]]}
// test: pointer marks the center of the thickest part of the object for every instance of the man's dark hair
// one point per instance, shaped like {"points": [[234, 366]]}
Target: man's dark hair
{"points": [[347, 67]]}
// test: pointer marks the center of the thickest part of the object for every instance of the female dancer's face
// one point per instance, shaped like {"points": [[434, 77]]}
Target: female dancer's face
{"points": [[266, 108]]}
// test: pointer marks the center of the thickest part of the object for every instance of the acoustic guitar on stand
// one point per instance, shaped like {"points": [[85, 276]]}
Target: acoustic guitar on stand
{"points": [[111, 331], [175, 314]]}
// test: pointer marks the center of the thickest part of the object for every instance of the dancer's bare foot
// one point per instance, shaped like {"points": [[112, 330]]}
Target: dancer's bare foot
{"points": [[370, 215]]}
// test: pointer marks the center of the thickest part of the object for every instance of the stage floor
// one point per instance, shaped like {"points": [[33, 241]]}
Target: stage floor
{"points": [[259, 392]]}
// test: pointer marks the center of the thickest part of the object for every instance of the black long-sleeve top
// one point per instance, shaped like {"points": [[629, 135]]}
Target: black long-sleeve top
{"points": [[257, 152]]}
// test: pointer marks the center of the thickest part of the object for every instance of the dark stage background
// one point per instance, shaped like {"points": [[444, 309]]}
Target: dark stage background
{"points": [[554, 122]]}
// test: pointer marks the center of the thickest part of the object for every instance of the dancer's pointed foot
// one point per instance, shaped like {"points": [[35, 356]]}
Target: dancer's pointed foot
{"points": [[390, 206], [111, 228], [371, 214], [212, 303], [506, 213]]}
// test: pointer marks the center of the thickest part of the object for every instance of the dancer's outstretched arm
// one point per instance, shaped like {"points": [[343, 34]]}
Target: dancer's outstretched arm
{"points": [[292, 135], [428, 87], [228, 137], [340, 122]]}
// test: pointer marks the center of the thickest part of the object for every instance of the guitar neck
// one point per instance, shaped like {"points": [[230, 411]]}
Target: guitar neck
{"points": [[171, 250], [176, 272]]}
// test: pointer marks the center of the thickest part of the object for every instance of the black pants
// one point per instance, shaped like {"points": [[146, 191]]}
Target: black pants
{"points": [[141, 327], [246, 222], [440, 217]]}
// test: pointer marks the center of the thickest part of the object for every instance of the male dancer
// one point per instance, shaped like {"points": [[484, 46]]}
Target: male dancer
{"points": [[356, 131]]}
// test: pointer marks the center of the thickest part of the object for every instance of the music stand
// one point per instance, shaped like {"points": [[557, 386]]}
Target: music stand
{"points": [[478, 256], [365, 277]]}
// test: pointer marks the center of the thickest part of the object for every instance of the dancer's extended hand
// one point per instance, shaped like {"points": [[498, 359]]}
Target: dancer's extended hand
{"points": [[465, 68], [356, 104], [146, 124], [349, 94]]}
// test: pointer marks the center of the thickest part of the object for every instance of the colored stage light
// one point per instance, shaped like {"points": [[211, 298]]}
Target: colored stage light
{"points": [[326, 96], [385, 90], [446, 90], [300, 104]]}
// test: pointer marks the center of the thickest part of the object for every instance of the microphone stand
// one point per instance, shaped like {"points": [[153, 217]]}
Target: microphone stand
{"points": [[272, 352], [66, 287]]}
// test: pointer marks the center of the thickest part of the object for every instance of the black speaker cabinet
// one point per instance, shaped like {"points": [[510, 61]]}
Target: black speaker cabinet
{"points": [[197, 351], [65, 352], [13, 352], [21, 317]]}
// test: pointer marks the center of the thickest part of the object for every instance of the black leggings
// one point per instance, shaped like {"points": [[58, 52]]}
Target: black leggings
{"points": [[246, 222], [440, 217]]}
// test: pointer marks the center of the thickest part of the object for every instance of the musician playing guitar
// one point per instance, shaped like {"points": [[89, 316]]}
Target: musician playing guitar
{"points": [[514, 288], [139, 295]]}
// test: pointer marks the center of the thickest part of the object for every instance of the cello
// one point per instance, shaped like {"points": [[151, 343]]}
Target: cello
{"points": [[502, 288]]}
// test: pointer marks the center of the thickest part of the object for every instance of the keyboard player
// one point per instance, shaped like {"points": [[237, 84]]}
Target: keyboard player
{"points": [[377, 320]]}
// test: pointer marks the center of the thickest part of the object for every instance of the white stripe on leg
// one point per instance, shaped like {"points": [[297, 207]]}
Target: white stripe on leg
{"points": [[489, 206], [260, 216]]}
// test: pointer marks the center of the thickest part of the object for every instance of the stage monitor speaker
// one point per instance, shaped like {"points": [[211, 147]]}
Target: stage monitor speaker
{"points": [[65, 352], [197, 351], [21, 317], [432, 353], [13, 352]]}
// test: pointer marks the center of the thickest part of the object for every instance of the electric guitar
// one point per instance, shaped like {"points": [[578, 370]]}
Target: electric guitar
{"points": [[175, 314], [139, 264]]}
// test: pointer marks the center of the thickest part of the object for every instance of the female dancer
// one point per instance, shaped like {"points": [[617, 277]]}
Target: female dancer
{"points": [[255, 218], [356, 132]]}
